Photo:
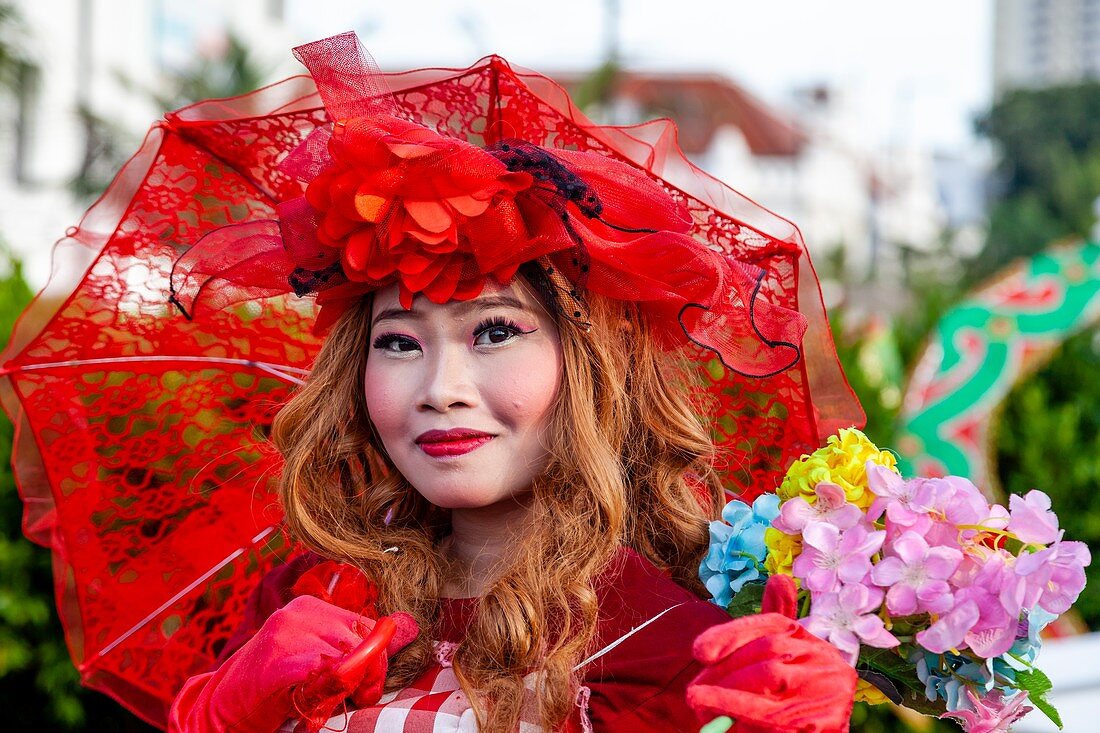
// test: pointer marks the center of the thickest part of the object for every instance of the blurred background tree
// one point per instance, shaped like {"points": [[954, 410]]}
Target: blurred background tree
{"points": [[1048, 177]]}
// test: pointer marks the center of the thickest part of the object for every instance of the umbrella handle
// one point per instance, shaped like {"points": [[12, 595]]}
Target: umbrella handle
{"points": [[354, 665], [347, 673]]}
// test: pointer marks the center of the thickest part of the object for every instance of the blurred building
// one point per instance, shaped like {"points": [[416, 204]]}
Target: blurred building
{"points": [[103, 64], [1040, 43], [100, 66]]}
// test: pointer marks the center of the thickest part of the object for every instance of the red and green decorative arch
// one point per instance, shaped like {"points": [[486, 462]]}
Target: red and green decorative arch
{"points": [[985, 345]]}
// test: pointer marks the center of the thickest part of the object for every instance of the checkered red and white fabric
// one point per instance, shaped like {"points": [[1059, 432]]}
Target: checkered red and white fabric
{"points": [[435, 703]]}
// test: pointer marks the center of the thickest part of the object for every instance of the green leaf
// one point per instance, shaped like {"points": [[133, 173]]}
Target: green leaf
{"points": [[1037, 685], [904, 677], [747, 601]]}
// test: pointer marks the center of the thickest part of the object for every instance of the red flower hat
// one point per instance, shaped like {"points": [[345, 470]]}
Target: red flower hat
{"points": [[388, 200]]}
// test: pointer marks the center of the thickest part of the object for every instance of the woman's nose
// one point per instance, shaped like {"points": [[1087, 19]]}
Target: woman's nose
{"points": [[449, 381]]}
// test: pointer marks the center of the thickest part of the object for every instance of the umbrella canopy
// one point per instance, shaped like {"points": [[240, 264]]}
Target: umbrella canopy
{"points": [[141, 450]]}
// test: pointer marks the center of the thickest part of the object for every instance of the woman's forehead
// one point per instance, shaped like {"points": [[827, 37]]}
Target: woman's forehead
{"points": [[515, 294]]}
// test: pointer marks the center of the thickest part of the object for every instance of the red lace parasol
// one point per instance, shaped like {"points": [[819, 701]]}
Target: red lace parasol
{"points": [[141, 449]]}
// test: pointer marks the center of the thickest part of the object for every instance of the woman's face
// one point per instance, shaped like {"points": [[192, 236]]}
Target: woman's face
{"points": [[461, 394]]}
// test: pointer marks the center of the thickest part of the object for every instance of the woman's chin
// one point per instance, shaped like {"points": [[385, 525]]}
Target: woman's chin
{"points": [[463, 495]]}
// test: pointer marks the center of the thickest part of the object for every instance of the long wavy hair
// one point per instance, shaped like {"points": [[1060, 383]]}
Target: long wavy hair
{"points": [[630, 465]]}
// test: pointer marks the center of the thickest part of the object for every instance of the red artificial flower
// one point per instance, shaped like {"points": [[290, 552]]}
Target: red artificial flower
{"points": [[398, 201], [340, 584]]}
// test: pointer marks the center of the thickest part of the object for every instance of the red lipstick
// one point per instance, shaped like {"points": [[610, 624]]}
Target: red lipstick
{"points": [[456, 442]]}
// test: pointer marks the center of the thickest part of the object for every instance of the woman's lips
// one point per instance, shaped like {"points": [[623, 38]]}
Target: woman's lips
{"points": [[446, 443]]}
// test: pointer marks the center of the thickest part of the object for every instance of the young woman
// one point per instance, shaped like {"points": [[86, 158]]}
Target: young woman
{"points": [[499, 461]]}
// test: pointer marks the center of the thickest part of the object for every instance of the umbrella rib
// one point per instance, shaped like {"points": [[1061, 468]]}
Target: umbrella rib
{"points": [[190, 587], [281, 371]]}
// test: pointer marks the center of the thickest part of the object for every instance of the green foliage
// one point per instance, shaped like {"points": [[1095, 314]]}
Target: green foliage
{"points": [[106, 147], [598, 87], [1038, 686], [747, 601], [1039, 130], [15, 65], [1049, 171], [876, 360], [900, 674], [234, 71], [39, 687]]}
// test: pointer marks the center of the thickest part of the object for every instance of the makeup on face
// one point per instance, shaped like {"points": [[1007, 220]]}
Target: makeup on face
{"points": [[447, 443], [461, 393]]}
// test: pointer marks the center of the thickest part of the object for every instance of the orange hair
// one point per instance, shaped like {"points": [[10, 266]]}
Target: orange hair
{"points": [[623, 438]]}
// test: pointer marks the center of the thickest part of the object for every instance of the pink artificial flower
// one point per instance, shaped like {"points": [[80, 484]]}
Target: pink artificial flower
{"points": [[1031, 519], [915, 575], [847, 618], [901, 499], [950, 629], [830, 557], [1054, 576], [831, 506], [979, 620], [956, 501], [963, 502], [991, 714]]}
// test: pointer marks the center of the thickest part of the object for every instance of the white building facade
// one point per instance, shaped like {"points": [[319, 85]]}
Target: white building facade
{"points": [[106, 57], [1039, 43]]}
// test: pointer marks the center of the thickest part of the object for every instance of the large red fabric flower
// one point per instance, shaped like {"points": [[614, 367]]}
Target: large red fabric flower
{"points": [[397, 200]]}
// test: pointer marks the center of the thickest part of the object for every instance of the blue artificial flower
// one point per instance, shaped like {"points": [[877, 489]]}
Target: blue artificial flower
{"points": [[937, 673], [737, 550], [947, 678], [1027, 647]]}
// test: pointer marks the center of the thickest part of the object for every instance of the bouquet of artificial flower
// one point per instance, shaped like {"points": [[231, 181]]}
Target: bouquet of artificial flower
{"points": [[935, 596]]}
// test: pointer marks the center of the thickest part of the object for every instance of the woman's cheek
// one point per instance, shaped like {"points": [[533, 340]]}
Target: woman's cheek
{"points": [[529, 384], [384, 398]]}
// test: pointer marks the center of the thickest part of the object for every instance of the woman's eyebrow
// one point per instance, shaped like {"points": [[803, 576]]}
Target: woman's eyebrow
{"points": [[394, 314], [493, 301]]}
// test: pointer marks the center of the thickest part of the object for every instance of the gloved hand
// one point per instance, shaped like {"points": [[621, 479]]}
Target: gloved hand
{"points": [[769, 674], [292, 668]]}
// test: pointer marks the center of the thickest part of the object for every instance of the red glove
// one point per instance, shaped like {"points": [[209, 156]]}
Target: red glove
{"points": [[293, 667], [769, 674]]}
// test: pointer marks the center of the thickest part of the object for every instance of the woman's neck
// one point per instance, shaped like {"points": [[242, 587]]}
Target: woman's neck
{"points": [[481, 542]]}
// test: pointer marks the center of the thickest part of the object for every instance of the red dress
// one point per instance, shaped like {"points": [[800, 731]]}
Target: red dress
{"points": [[635, 682]]}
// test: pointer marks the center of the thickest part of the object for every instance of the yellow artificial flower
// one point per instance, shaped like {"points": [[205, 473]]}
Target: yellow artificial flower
{"points": [[782, 550], [841, 461], [868, 693]]}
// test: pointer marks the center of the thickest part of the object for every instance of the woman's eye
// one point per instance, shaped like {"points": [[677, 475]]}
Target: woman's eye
{"points": [[396, 344], [495, 331], [495, 335]]}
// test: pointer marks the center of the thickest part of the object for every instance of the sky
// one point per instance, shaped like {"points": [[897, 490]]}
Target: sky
{"points": [[912, 73]]}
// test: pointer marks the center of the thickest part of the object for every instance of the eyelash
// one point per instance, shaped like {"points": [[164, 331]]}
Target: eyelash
{"points": [[499, 322], [386, 341]]}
